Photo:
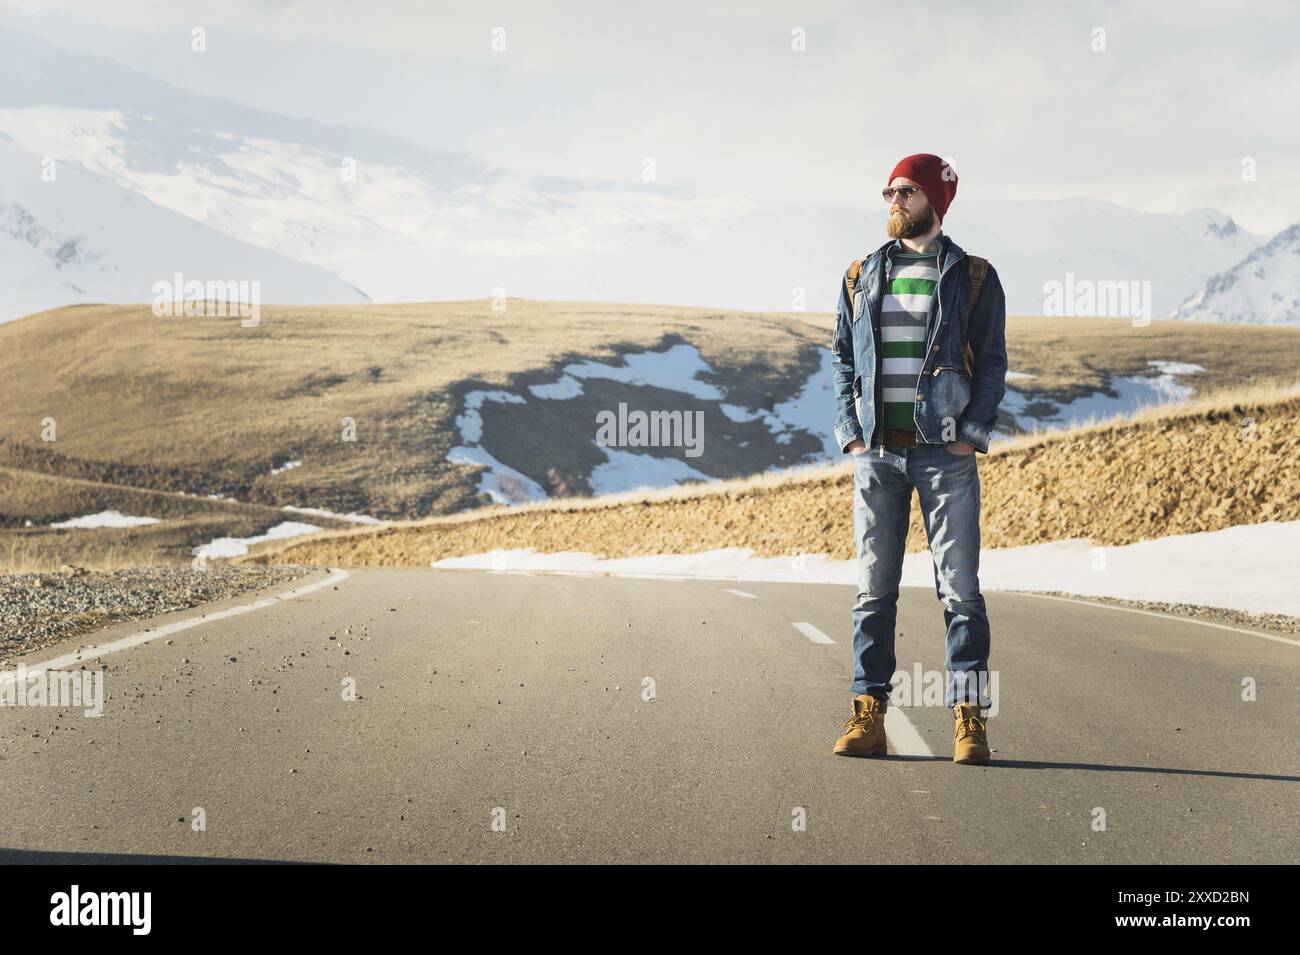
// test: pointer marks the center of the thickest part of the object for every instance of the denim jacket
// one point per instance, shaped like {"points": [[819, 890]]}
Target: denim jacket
{"points": [[950, 404]]}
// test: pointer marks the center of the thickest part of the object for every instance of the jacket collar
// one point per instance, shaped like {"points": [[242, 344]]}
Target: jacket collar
{"points": [[949, 251]]}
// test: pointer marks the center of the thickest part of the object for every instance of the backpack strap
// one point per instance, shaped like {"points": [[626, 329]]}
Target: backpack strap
{"points": [[977, 268], [851, 278], [850, 282]]}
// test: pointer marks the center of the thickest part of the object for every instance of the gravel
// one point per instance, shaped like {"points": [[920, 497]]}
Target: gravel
{"points": [[1239, 618], [39, 609]]}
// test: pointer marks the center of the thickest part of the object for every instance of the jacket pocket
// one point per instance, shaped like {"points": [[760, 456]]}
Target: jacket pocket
{"points": [[950, 392]]}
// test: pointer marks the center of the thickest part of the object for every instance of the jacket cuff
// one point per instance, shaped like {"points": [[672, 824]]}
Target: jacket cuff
{"points": [[846, 435], [974, 435]]}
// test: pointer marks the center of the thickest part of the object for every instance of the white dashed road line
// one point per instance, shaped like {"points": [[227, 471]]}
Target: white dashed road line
{"points": [[812, 633], [738, 593]]}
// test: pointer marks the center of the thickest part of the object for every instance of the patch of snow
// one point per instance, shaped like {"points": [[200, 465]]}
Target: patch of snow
{"points": [[738, 414], [1166, 384], [470, 424], [1182, 568], [675, 369], [809, 409], [501, 482], [238, 546], [566, 387], [106, 519], [626, 470], [321, 512], [1175, 367], [1133, 393], [287, 466]]}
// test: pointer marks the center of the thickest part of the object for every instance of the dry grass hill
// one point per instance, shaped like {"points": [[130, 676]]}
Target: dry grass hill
{"points": [[153, 416]]}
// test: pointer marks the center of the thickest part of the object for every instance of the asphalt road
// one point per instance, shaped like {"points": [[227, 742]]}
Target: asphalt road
{"points": [[505, 718]]}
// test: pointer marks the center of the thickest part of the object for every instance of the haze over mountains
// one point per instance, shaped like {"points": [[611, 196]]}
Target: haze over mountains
{"points": [[150, 174]]}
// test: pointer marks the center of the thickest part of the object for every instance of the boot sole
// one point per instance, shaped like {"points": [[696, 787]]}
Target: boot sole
{"points": [[857, 752], [973, 760]]}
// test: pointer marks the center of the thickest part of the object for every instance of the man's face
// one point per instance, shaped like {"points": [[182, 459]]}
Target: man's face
{"points": [[911, 217]]}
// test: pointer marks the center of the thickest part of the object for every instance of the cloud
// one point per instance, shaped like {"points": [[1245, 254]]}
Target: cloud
{"points": [[715, 95]]}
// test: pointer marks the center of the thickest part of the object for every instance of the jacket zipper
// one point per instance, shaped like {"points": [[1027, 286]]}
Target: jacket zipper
{"points": [[876, 388], [938, 324]]}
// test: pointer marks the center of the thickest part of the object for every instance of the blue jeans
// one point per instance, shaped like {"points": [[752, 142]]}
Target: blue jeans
{"points": [[949, 489]]}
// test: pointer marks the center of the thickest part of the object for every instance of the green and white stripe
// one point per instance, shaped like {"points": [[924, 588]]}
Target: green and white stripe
{"points": [[913, 277]]}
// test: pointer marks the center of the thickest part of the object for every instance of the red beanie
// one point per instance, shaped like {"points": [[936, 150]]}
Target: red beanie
{"points": [[931, 173]]}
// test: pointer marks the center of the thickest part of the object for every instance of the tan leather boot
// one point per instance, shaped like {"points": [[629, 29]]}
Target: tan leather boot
{"points": [[866, 729], [971, 736]]}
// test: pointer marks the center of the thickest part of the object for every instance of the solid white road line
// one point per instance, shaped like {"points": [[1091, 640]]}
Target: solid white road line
{"points": [[738, 593], [1156, 613], [144, 636], [812, 633]]}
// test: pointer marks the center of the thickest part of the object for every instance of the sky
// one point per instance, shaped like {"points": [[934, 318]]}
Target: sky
{"points": [[722, 100]]}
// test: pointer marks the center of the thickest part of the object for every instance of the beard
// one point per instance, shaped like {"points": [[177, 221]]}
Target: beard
{"points": [[903, 226]]}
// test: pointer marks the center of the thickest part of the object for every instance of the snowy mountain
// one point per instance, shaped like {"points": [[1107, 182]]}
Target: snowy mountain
{"points": [[406, 223], [1261, 289], [1036, 242], [82, 238]]}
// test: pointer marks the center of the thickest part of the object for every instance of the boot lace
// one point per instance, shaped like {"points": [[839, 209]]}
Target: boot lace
{"points": [[974, 727], [863, 718]]}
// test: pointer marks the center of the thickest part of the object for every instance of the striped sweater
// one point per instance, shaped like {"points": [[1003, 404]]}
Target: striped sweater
{"points": [[909, 287]]}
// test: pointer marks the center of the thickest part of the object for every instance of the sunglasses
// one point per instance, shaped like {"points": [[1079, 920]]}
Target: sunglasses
{"points": [[906, 192]]}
